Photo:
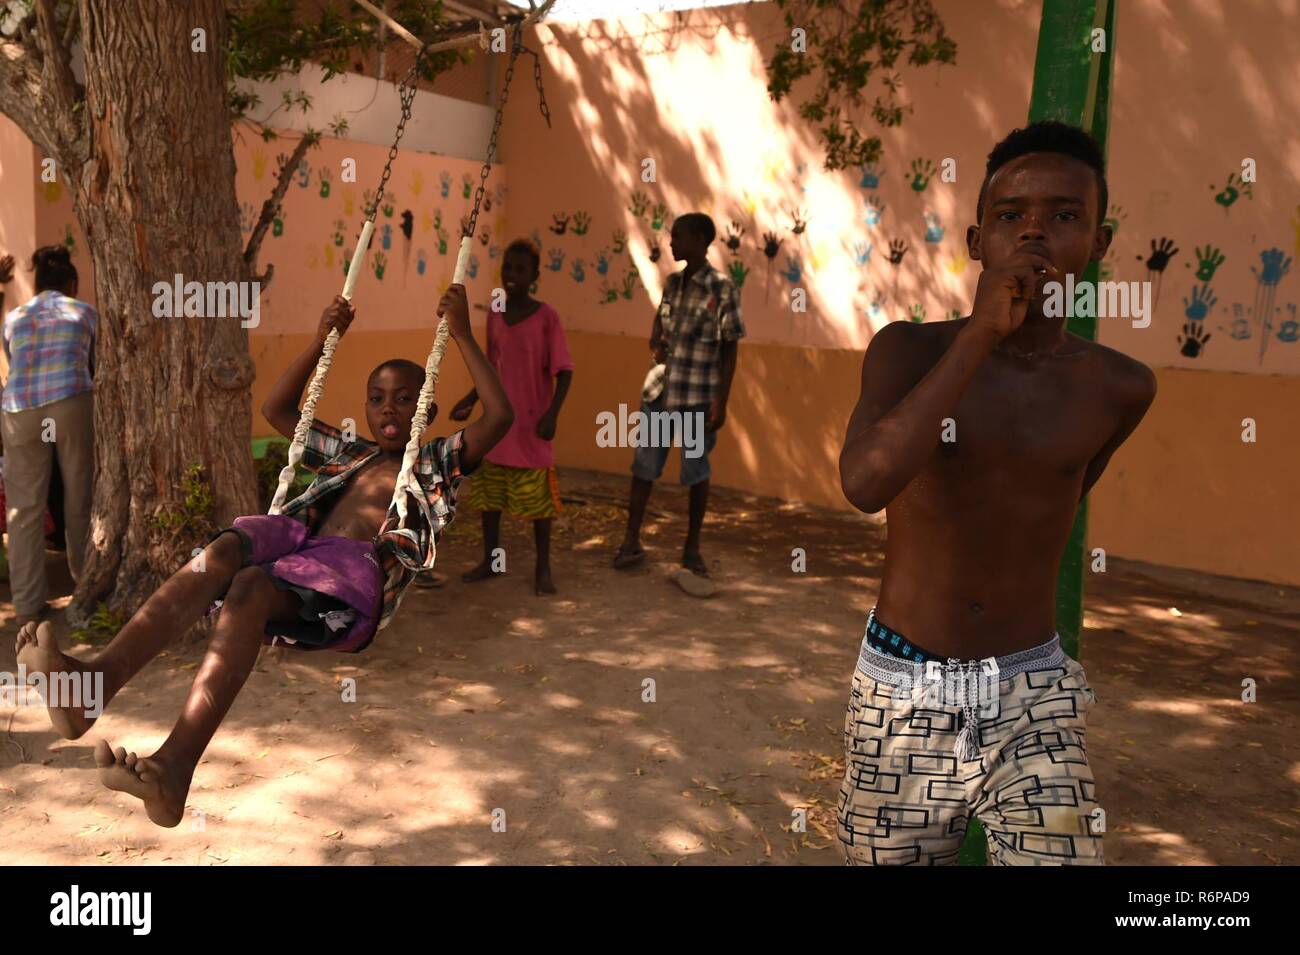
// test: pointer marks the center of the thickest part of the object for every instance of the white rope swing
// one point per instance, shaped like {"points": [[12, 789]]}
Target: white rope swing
{"points": [[406, 479]]}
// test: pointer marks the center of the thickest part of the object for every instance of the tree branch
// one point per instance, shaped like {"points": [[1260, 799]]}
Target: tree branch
{"points": [[20, 91], [283, 178], [60, 92]]}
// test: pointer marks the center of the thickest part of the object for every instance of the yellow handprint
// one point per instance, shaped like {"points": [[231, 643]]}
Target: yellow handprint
{"points": [[958, 264], [749, 204], [329, 255], [349, 200], [426, 221], [417, 182], [53, 191], [259, 164]]}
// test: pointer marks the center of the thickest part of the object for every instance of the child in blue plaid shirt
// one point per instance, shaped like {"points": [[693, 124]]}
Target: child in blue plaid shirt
{"points": [[273, 571]]}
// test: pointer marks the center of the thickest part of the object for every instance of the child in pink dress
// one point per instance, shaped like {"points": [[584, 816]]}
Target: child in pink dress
{"points": [[526, 346]]}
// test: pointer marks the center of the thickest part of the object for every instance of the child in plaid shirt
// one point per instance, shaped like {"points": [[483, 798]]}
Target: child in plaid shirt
{"points": [[317, 575]]}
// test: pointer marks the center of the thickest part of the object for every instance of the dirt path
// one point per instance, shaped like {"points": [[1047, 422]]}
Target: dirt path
{"points": [[485, 699]]}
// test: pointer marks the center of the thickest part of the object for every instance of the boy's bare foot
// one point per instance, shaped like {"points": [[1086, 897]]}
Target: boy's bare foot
{"points": [[482, 572], [542, 584], [39, 652], [149, 780], [629, 555], [693, 562]]}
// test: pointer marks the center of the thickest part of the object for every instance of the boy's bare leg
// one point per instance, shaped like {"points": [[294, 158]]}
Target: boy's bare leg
{"points": [[542, 582], [630, 552], [491, 541], [162, 781], [168, 612], [691, 558]]}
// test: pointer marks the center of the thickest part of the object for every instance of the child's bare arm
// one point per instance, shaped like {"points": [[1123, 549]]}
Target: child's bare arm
{"points": [[281, 405], [1135, 385], [481, 436]]}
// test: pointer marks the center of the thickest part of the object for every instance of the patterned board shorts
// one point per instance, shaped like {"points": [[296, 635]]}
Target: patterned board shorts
{"points": [[528, 493], [929, 746]]}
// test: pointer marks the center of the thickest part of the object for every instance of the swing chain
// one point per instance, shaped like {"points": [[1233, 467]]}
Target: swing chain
{"points": [[406, 91], [517, 47]]}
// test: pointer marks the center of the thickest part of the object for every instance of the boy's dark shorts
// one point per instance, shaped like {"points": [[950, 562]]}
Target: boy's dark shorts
{"points": [[338, 579]]}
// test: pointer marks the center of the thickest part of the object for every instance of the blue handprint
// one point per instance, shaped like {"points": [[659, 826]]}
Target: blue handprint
{"points": [[1199, 306], [494, 250], [1240, 327], [578, 273], [602, 262], [793, 269], [862, 252], [933, 230], [875, 308], [557, 259], [471, 268], [871, 177], [1289, 330], [419, 262], [875, 210], [444, 183], [386, 236], [1274, 267]]}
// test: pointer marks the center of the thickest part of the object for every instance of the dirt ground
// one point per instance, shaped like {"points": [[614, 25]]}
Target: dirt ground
{"points": [[483, 704]]}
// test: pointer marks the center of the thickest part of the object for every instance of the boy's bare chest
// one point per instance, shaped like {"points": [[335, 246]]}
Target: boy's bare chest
{"points": [[1047, 423], [359, 508]]}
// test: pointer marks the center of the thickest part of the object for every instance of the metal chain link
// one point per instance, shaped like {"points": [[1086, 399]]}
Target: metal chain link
{"points": [[516, 47], [406, 91]]}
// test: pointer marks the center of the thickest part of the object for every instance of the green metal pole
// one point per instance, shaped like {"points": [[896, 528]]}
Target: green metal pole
{"points": [[1072, 85]]}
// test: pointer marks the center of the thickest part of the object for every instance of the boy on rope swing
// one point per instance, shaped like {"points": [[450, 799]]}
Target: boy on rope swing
{"points": [[317, 575], [981, 436]]}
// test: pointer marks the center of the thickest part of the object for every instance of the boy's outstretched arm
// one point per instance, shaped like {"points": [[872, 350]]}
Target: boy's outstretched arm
{"points": [[481, 436], [281, 405]]}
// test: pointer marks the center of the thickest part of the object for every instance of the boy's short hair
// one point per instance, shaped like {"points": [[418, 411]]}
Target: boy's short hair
{"points": [[1048, 136], [403, 365], [526, 247], [700, 224]]}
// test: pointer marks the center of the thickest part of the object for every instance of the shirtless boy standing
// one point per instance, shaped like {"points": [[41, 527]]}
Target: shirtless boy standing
{"points": [[979, 437]]}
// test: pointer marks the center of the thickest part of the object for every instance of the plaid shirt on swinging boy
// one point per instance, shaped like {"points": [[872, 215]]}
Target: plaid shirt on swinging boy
{"points": [[708, 311], [402, 552]]}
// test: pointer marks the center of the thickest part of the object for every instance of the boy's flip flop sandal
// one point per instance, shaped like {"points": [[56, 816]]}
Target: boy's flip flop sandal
{"points": [[692, 583]]}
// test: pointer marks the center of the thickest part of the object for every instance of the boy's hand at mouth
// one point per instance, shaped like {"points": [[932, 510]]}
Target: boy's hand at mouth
{"points": [[1004, 293], [454, 307]]}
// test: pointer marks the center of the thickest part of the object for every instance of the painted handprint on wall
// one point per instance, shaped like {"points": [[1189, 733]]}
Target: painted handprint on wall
{"points": [[557, 259], [917, 313], [630, 281], [1272, 267], [471, 267], [349, 201], [620, 241], [442, 240], [1117, 215], [444, 183], [1289, 330], [1193, 339], [771, 245], [1208, 259], [933, 229], [737, 271], [897, 249], [793, 270], [957, 265], [862, 252], [466, 185], [1162, 250], [657, 215], [247, 217], [578, 273], [798, 221], [655, 254], [922, 170], [640, 201], [1198, 306], [734, 231], [559, 223], [1230, 193], [602, 262], [871, 177], [386, 237], [421, 262], [304, 174], [325, 177], [416, 183], [380, 263], [875, 210], [581, 222], [259, 164]]}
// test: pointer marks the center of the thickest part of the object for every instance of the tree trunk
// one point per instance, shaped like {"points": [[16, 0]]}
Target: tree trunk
{"points": [[156, 198]]}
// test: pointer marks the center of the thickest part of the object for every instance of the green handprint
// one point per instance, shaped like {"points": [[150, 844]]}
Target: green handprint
{"points": [[1117, 215], [581, 222], [657, 216], [325, 177], [629, 283], [1207, 260], [922, 170], [381, 261], [442, 241], [639, 202], [737, 271], [918, 313], [339, 226], [609, 292], [1230, 193], [466, 185], [388, 208], [620, 241]]}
